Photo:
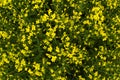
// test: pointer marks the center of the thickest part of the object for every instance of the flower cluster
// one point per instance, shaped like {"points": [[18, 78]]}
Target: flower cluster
{"points": [[59, 40]]}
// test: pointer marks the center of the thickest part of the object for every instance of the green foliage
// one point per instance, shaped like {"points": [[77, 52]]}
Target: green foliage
{"points": [[59, 39]]}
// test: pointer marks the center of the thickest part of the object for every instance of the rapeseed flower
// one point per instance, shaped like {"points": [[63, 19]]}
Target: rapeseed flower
{"points": [[53, 59]]}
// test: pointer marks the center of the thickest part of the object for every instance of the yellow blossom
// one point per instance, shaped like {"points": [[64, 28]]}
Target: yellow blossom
{"points": [[104, 64], [58, 0], [51, 70], [19, 68], [43, 69], [95, 8], [81, 55], [53, 58], [114, 57], [6, 60], [26, 14], [37, 21], [23, 38], [86, 22], [44, 17], [67, 38], [30, 71], [53, 34], [53, 16], [80, 78], [36, 6], [49, 63], [49, 11], [96, 73], [67, 44], [3, 34], [28, 29], [23, 62], [38, 73], [23, 51], [48, 55], [90, 76], [57, 49], [33, 27], [50, 48], [36, 66]]}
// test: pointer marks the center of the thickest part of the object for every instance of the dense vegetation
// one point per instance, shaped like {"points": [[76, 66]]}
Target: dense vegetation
{"points": [[60, 39]]}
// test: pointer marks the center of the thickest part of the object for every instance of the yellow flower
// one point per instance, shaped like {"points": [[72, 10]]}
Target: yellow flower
{"points": [[95, 9], [104, 64], [6, 60], [48, 63], [38, 73], [114, 57], [17, 61], [51, 70], [90, 76], [33, 27], [48, 55], [36, 6], [28, 29], [49, 11], [96, 73], [52, 75], [3, 34], [46, 42], [80, 78], [23, 62], [102, 18], [57, 49], [25, 46], [82, 30], [59, 71], [53, 16], [86, 22], [102, 33], [53, 58], [47, 33], [37, 21], [23, 38], [92, 68], [70, 55], [30, 41], [67, 44], [44, 17], [26, 14], [67, 38], [38, 1], [58, 0], [4, 2], [105, 38], [30, 71], [95, 78], [19, 68], [104, 58], [43, 60], [36, 66], [80, 55], [43, 69], [50, 49], [31, 33], [53, 34], [23, 51], [96, 17]]}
